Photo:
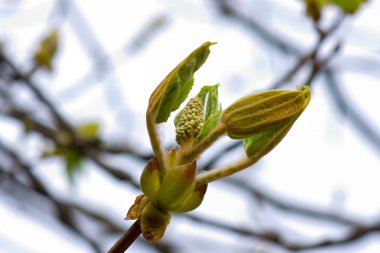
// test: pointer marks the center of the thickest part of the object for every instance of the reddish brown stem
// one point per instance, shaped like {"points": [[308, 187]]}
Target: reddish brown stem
{"points": [[127, 238]]}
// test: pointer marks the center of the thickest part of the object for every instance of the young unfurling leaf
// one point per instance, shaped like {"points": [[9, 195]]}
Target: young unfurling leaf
{"points": [[263, 112], [213, 110], [261, 144], [174, 89], [209, 98]]}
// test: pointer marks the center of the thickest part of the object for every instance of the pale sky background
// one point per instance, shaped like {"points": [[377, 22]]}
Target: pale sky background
{"points": [[323, 159]]}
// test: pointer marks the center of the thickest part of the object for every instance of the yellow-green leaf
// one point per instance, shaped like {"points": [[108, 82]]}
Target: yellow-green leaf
{"points": [[349, 6], [47, 50], [209, 97], [193, 201], [209, 125], [261, 144], [74, 161], [264, 111], [88, 131], [178, 183], [150, 179], [174, 89]]}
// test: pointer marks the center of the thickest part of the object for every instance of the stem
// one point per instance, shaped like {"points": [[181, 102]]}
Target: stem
{"points": [[213, 175], [193, 153], [127, 238], [156, 145]]}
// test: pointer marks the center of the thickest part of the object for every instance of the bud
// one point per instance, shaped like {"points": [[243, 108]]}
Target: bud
{"points": [[136, 209], [193, 201], [171, 157], [264, 112], [47, 49], [150, 179], [212, 108], [176, 186], [153, 222], [189, 121]]}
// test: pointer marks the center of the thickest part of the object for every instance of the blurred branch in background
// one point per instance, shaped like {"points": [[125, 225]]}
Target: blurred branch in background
{"points": [[18, 179], [361, 124], [27, 184]]}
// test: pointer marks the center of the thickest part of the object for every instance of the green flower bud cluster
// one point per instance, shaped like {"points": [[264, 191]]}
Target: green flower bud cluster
{"points": [[189, 121]]}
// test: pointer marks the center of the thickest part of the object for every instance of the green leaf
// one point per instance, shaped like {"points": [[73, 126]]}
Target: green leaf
{"points": [[213, 110], [72, 158], [209, 125], [178, 183], [251, 101], [262, 143], [74, 161], [47, 50], [193, 201], [209, 97], [264, 111], [88, 131], [174, 89], [183, 93], [348, 6], [150, 178]]}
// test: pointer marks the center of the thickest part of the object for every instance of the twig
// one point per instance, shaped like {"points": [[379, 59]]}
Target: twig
{"points": [[292, 71], [40, 96], [319, 66], [89, 149], [290, 206], [274, 238], [115, 172], [229, 147], [64, 214], [126, 240], [312, 56], [254, 26], [110, 226], [358, 121]]}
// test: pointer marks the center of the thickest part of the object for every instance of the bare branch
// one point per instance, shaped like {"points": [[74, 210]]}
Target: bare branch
{"points": [[277, 240], [346, 109], [228, 9], [60, 120]]}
